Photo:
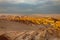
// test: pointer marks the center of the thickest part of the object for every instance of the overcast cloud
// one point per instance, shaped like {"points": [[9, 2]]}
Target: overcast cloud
{"points": [[30, 6]]}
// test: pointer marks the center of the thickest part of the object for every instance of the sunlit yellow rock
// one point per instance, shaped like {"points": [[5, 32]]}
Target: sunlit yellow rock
{"points": [[58, 23]]}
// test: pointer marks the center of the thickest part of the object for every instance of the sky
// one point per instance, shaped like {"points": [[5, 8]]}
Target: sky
{"points": [[29, 6]]}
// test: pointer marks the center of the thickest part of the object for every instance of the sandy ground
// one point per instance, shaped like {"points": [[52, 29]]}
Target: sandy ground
{"points": [[15, 30], [13, 26], [8, 25]]}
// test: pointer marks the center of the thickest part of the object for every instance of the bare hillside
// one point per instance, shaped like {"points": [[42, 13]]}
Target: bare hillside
{"points": [[29, 27]]}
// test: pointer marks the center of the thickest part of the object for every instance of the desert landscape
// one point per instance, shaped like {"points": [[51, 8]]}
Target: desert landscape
{"points": [[30, 27], [29, 19]]}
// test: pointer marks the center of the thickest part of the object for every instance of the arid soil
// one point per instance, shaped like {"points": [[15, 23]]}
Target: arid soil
{"points": [[50, 34], [13, 27]]}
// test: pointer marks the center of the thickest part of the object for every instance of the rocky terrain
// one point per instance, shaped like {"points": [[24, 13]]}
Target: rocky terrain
{"points": [[42, 34], [13, 27]]}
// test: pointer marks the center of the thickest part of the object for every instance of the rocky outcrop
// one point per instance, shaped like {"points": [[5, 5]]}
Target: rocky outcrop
{"points": [[49, 31], [41, 34], [30, 20]]}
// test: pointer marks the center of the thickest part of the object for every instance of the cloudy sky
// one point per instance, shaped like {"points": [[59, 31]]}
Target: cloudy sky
{"points": [[29, 6]]}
